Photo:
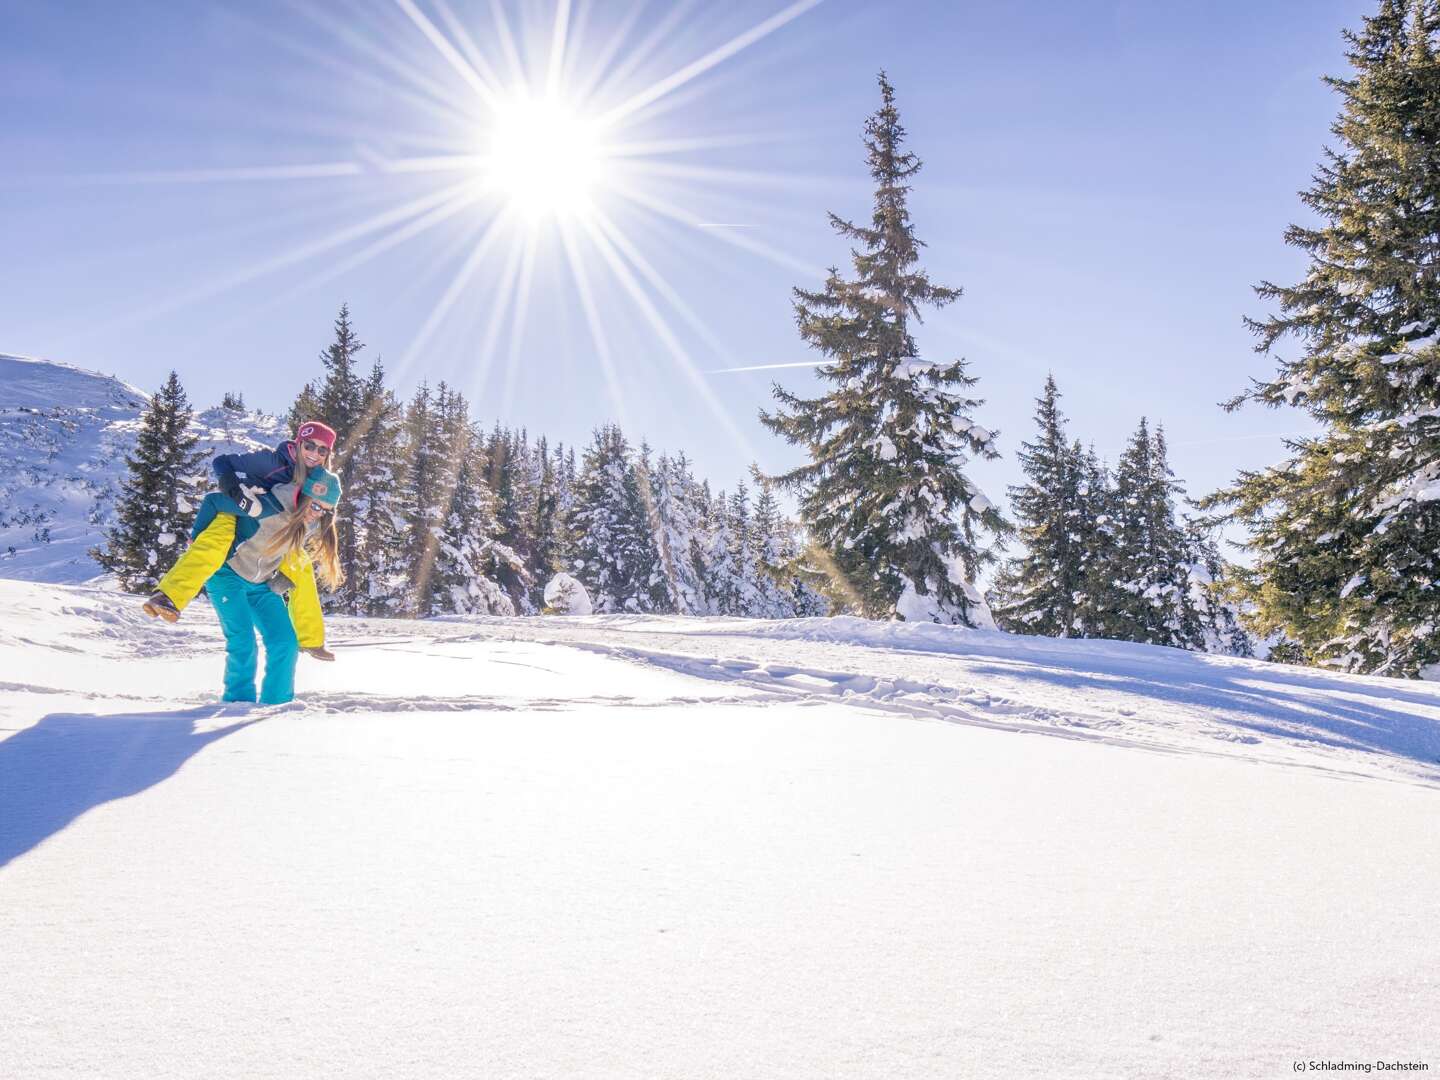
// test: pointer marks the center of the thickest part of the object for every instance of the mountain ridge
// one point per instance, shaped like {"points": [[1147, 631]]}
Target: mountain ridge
{"points": [[65, 433]]}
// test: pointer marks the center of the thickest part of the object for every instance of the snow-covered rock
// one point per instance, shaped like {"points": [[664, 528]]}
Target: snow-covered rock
{"points": [[564, 595], [64, 435]]}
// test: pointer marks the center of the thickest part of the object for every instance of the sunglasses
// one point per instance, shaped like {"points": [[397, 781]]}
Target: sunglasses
{"points": [[324, 511], [315, 447]]}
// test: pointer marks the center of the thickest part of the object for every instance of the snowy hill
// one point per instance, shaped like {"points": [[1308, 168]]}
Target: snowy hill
{"points": [[634, 846], [64, 436]]}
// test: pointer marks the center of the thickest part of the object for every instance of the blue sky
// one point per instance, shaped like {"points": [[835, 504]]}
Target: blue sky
{"points": [[1106, 181]]}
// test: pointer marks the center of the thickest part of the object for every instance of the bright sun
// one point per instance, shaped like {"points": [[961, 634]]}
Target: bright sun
{"points": [[543, 157]]}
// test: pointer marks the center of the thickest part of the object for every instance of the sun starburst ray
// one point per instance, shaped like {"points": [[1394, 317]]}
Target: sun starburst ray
{"points": [[641, 51], [662, 330], [505, 35], [709, 60], [582, 86], [293, 256], [500, 312], [473, 56], [493, 231], [654, 204], [370, 252], [484, 90], [598, 336], [518, 320], [555, 65], [379, 49]]}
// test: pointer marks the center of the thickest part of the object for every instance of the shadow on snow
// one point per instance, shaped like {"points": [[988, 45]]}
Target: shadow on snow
{"points": [[69, 763]]}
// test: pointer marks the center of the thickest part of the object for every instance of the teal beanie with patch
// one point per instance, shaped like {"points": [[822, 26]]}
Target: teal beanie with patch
{"points": [[323, 486]]}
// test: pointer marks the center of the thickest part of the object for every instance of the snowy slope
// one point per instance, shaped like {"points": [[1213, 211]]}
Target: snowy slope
{"points": [[641, 847], [64, 436]]}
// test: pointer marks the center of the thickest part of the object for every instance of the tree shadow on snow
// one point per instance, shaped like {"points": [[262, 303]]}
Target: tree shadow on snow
{"points": [[1288, 707], [69, 763]]}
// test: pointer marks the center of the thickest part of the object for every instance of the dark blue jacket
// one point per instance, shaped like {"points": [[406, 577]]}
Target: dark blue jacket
{"points": [[264, 468]]}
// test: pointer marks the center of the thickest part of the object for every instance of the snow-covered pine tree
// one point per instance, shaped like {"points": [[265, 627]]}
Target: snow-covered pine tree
{"points": [[545, 525], [774, 594], [563, 467], [378, 583], [885, 491], [1141, 588], [423, 491], [1097, 540], [675, 525], [1038, 591], [500, 476], [805, 578], [745, 598], [159, 495], [339, 400], [527, 495], [468, 559], [340, 397], [717, 557], [1209, 576], [614, 553], [707, 517], [305, 407], [651, 570], [1346, 533]]}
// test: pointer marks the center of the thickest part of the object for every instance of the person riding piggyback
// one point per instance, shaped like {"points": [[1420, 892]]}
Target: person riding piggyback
{"points": [[245, 480]]}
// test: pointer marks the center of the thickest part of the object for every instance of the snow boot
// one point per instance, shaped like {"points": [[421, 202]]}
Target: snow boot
{"points": [[160, 605]]}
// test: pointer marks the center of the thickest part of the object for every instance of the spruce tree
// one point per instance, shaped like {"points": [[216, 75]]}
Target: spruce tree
{"points": [[743, 556], [721, 575], [376, 580], [1142, 586], [1039, 591], [422, 494], [885, 491], [614, 551], [774, 595], [650, 572], [340, 397], [675, 523], [305, 407], [545, 526], [468, 560], [1345, 533], [1096, 540], [159, 496]]}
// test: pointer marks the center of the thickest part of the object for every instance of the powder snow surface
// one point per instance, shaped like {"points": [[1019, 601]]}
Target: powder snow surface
{"points": [[643, 847]]}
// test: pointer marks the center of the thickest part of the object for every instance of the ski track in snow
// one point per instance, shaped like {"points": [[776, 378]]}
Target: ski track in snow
{"points": [[1110, 692]]}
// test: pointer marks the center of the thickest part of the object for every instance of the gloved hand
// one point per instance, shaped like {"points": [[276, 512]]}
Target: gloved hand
{"points": [[230, 487], [319, 652], [249, 501]]}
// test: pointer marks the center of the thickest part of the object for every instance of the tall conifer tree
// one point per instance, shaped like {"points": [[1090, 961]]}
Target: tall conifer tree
{"points": [[1346, 532], [1039, 591], [159, 495], [885, 491]]}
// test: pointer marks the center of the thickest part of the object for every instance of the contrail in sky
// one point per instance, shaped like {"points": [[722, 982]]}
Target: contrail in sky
{"points": [[769, 367]]}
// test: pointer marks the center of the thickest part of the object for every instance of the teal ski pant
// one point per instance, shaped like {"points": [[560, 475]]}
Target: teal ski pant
{"points": [[245, 607]]}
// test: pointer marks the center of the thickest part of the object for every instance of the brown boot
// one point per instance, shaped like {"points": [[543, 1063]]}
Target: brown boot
{"points": [[159, 605]]}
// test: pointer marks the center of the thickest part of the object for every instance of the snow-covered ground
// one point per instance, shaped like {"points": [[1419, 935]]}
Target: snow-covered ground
{"points": [[646, 847], [64, 436]]}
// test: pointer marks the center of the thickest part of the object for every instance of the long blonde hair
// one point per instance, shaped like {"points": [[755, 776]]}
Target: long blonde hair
{"points": [[323, 546]]}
